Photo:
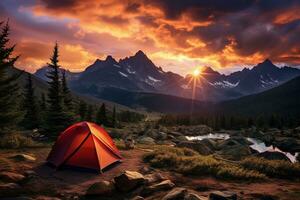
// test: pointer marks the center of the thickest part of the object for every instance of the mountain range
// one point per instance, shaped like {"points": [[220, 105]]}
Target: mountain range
{"points": [[138, 74]]}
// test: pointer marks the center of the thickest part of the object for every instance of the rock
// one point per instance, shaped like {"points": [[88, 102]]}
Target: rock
{"points": [[152, 133], [288, 144], [176, 194], [23, 157], [218, 195], [181, 138], [236, 152], [164, 185], [30, 173], [128, 180], [137, 198], [193, 196], [129, 143], [175, 134], [145, 140], [46, 198], [102, 188], [166, 142], [273, 155], [9, 189], [197, 146], [162, 136], [153, 178], [210, 143], [11, 177]]}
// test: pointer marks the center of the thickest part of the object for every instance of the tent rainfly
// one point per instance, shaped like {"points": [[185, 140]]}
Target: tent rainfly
{"points": [[84, 145]]}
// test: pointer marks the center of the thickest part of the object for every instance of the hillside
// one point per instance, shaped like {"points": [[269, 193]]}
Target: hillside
{"points": [[149, 101], [40, 87], [284, 99]]}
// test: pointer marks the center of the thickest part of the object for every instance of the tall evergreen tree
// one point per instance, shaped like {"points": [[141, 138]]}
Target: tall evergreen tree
{"points": [[114, 118], [9, 113], [67, 98], [101, 115], [43, 104], [82, 110], [90, 114], [31, 118], [56, 117]]}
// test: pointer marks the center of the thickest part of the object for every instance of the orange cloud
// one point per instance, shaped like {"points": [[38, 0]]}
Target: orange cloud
{"points": [[177, 35], [33, 55]]}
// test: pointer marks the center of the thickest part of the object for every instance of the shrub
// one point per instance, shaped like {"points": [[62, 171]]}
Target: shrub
{"points": [[273, 168], [17, 140], [189, 162]]}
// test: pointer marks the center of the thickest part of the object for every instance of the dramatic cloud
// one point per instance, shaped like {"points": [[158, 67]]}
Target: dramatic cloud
{"points": [[178, 35]]}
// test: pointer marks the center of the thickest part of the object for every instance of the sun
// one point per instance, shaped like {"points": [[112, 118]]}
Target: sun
{"points": [[196, 72]]}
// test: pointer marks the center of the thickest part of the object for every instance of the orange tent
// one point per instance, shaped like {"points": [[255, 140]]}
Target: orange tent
{"points": [[84, 145]]}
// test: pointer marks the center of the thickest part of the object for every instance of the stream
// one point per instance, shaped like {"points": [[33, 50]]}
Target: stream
{"points": [[257, 145]]}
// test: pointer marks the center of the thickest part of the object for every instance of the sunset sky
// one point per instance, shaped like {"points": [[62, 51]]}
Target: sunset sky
{"points": [[177, 35]]}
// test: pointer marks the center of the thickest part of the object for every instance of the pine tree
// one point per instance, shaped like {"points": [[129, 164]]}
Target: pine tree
{"points": [[89, 114], [31, 118], [101, 115], [56, 117], [114, 118], [43, 104], [82, 110], [9, 113], [68, 102]]}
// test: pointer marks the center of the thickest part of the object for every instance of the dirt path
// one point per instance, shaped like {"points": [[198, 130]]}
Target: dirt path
{"points": [[74, 181]]}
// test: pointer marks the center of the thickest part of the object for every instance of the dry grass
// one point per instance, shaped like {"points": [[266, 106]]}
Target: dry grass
{"points": [[272, 168], [16, 140], [189, 162]]}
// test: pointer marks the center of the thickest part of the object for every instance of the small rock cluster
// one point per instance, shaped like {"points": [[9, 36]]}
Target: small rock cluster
{"points": [[135, 186]]}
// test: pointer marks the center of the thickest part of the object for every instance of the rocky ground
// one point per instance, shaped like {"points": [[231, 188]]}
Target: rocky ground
{"points": [[24, 174]]}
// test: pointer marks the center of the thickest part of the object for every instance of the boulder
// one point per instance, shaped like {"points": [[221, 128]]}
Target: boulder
{"points": [[23, 157], [145, 140], [164, 185], [137, 198], [210, 143], [153, 178], [273, 155], [198, 146], [11, 177], [46, 198], [176, 194], [194, 196], [152, 133], [128, 181], [129, 143], [218, 195], [162, 136], [176, 134], [288, 144], [102, 188], [235, 152], [9, 189]]}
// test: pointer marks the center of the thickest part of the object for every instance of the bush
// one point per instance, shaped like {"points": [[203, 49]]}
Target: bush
{"points": [[189, 162], [273, 168], [16, 140]]}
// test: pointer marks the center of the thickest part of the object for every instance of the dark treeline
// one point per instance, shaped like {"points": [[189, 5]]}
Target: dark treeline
{"points": [[55, 109], [231, 121]]}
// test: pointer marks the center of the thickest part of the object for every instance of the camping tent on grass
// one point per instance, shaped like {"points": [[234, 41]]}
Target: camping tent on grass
{"points": [[84, 145]]}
